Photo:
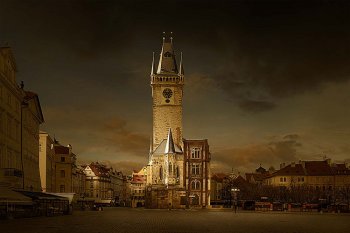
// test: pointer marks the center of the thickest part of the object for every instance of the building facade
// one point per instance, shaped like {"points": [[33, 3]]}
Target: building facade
{"points": [[46, 162], [170, 181], [64, 165], [104, 184], [20, 118], [138, 188], [197, 171]]}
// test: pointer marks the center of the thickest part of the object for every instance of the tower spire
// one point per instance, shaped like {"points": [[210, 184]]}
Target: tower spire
{"points": [[169, 147], [167, 61]]}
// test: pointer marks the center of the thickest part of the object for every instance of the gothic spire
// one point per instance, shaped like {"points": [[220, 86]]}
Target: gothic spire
{"points": [[181, 69], [153, 69], [169, 147], [167, 61]]}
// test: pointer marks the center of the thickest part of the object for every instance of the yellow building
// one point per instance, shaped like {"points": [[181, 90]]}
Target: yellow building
{"points": [[20, 117], [138, 188], [103, 184], [319, 175], [46, 162], [64, 163]]}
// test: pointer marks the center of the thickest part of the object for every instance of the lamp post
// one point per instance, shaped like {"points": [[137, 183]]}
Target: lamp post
{"points": [[234, 192], [23, 105]]}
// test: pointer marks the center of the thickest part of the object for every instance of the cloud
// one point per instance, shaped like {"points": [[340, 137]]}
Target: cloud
{"points": [[103, 136], [254, 106], [126, 140], [125, 166], [249, 157]]}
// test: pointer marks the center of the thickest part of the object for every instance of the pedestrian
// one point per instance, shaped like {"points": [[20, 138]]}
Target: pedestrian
{"points": [[169, 206]]}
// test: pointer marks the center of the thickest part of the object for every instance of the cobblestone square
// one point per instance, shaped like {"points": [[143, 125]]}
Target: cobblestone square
{"points": [[113, 220]]}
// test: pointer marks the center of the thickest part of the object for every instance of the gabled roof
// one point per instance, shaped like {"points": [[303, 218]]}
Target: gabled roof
{"points": [[318, 168], [59, 149], [291, 170], [33, 96], [260, 169], [99, 169], [161, 148], [219, 177]]}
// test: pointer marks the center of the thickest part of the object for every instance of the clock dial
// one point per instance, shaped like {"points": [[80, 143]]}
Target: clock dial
{"points": [[167, 93], [167, 54]]}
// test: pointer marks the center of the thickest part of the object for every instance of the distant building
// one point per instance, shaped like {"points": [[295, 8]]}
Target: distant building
{"points": [[258, 176], [64, 164], [79, 180], [20, 117], [104, 183], [217, 182], [46, 162], [138, 188], [320, 175]]}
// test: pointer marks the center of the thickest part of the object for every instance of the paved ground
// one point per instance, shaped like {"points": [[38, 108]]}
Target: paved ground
{"points": [[113, 220]]}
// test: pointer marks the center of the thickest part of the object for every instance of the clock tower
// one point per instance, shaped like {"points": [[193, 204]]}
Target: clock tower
{"points": [[167, 80]]}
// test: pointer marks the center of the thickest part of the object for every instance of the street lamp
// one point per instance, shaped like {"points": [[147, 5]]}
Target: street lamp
{"points": [[234, 192], [24, 104]]}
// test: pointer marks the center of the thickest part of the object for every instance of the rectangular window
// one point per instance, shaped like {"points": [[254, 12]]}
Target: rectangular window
{"points": [[195, 153], [62, 188], [195, 169], [63, 159], [63, 173]]}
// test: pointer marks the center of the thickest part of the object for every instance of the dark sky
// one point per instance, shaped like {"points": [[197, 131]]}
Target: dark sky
{"points": [[266, 81]]}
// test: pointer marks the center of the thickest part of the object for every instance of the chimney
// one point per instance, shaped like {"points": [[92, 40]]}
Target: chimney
{"points": [[282, 165], [328, 160]]}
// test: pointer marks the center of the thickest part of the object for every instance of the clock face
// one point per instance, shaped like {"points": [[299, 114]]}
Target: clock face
{"points": [[167, 93], [167, 54]]}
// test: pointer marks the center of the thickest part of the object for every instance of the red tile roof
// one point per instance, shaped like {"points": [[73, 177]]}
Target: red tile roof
{"points": [[291, 170], [99, 169], [313, 168], [219, 177], [138, 179], [61, 149]]}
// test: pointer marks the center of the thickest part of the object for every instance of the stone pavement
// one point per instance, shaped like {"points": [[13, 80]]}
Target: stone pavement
{"points": [[113, 220]]}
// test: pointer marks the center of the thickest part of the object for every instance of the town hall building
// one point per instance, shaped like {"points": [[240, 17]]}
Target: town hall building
{"points": [[178, 171]]}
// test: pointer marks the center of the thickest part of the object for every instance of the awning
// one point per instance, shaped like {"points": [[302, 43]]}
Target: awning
{"points": [[8, 196]]}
